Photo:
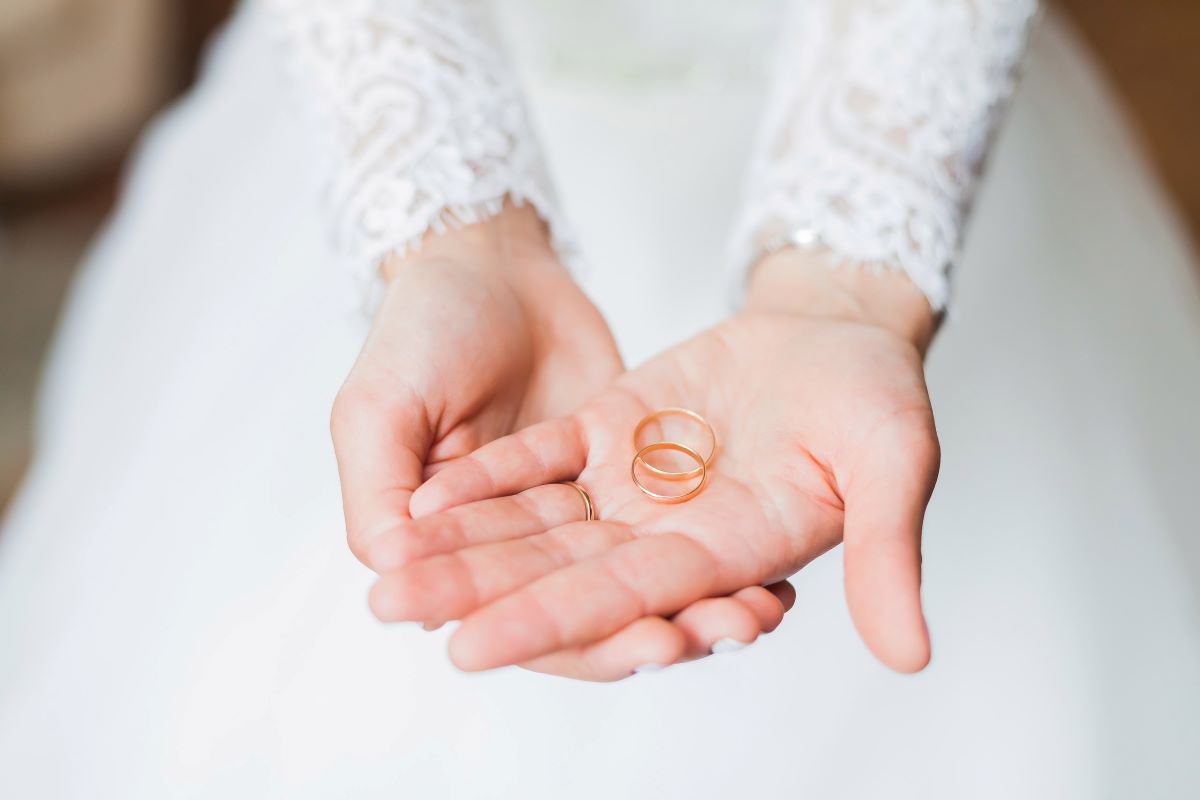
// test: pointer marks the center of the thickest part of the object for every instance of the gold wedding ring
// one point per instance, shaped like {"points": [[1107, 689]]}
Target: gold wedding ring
{"points": [[589, 510], [705, 461], [701, 470]]}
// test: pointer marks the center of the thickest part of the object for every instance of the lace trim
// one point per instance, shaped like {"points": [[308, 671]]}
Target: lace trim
{"points": [[877, 129], [429, 128]]}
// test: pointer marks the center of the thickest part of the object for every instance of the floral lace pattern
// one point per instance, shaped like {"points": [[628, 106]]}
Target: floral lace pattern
{"points": [[876, 130], [879, 119], [430, 126]]}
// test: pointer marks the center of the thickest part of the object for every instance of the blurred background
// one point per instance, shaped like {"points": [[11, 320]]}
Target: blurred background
{"points": [[80, 78]]}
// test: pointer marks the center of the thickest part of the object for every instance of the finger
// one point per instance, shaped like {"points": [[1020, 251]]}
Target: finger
{"points": [[645, 645], [768, 609], [380, 444], [885, 507], [784, 592], [548, 452], [451, 586], [719, 625], [531, 512], [652, 575], [465, 439]]}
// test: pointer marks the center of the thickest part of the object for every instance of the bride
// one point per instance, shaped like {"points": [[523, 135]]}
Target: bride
{"points": [[180, 617]]}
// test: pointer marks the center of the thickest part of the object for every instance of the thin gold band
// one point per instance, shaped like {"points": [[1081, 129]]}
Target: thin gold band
{"points": [[694, 417], [589, 510], [679, 448]]}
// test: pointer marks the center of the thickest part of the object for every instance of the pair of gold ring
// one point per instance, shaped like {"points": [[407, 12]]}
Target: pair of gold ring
{"points": [[700, 471], [702, 462]]}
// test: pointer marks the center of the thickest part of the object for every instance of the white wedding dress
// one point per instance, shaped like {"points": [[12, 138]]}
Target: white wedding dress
{"points": [[179, 614]]}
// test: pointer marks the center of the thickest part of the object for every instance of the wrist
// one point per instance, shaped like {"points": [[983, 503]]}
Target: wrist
{"points": [[507, 256], [794, 281], [514, 242]]}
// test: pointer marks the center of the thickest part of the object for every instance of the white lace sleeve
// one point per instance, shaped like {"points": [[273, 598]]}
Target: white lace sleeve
{"points": [[878, 124], [426, 118]]}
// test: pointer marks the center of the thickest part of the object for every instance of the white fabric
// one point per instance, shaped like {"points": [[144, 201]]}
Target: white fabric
{"points": [[881, 117], [180, 617], [426, 121], [871, 147]]}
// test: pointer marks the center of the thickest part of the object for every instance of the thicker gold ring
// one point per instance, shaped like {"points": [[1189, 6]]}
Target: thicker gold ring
{"points": [[589, 509], [679, 448], [705, 462]]}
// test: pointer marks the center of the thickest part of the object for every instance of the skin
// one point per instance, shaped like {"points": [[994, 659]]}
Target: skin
{"points": [[483, 333], [817, 393]]}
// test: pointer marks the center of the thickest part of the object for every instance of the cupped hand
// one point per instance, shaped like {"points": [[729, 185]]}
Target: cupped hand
{"points": [[481, 333], [826, 436]]}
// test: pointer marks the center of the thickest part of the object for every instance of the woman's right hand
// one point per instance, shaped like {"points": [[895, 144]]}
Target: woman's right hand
{"points": [[481, 332]]}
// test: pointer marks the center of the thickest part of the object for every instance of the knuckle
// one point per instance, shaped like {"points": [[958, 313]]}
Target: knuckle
{"points": [[346, 404], [357, 540], [914, 438], [382, 602], [389, 600], [927, 453], [392, 551]]}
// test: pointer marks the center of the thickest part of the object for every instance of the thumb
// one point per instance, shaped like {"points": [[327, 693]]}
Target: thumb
{"points": [[885, 496]]}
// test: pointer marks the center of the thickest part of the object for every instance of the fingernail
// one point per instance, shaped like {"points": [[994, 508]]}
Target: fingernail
{"points": [[432, 626], [648, 668], [727, 645]]}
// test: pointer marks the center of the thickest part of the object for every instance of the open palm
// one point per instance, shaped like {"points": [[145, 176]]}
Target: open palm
{"points": [[470, 345], [825, 432]]}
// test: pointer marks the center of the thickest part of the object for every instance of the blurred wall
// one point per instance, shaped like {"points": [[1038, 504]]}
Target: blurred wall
{"points": [[54, 56], [1151, 52], [79, 78]]}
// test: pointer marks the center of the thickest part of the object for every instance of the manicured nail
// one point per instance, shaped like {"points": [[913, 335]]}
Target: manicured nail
{"points": [[727, 645], [648, 668]]}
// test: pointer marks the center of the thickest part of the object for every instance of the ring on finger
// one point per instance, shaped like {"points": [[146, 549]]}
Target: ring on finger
{"points": [[589, 509]]}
